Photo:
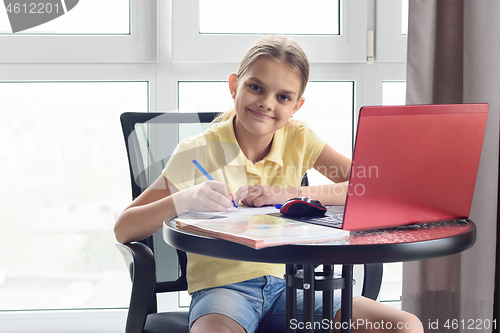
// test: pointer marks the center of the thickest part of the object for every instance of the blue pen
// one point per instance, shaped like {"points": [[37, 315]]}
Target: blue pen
{"points": [[198, 165]]}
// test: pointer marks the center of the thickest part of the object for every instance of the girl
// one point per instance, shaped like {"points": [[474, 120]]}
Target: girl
{"points": [[274, 152]]}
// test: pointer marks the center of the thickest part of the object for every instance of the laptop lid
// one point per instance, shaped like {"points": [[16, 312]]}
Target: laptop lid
{"points": [[414, 164]]}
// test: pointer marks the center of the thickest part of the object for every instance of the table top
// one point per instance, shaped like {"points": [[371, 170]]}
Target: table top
{"points": [[407, 243]]}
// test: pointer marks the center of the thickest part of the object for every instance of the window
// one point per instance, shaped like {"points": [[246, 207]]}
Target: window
{"points": [[391, 32], [370, 84], [190, 64], [66, 80], [329, 111], [89, 32], [66, 17], [349, 45], [391, 290], [224, 17], [63, 166], [404, 17], [394, 93], [211, 96]]}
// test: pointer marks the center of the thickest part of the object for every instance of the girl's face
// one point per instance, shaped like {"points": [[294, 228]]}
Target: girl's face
{"points": [[265, 97]]}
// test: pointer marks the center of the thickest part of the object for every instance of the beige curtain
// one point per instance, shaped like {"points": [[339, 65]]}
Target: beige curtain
{"points": [[454, 57]]}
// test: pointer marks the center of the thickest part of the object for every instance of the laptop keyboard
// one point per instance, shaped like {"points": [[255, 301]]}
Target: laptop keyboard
{"points": [[333, 220]]}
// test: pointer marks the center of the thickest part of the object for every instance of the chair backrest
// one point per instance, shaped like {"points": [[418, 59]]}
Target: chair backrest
{"points": [[150, 139]]}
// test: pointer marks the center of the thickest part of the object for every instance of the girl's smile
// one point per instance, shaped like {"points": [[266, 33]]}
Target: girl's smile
{"points": [[260, 115]]}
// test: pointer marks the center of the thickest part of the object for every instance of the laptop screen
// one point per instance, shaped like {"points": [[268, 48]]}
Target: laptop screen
{"points": [[414, 164]]}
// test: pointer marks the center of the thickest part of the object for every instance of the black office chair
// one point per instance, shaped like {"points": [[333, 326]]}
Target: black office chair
{"points": [[155, 267]]}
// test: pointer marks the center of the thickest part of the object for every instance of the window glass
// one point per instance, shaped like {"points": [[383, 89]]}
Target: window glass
{"points": [[391, 289], [65, 17], [404, 19], [320, 17], [393, 93], [220, 30], [65, 179], [211, 96], [328, 110]]}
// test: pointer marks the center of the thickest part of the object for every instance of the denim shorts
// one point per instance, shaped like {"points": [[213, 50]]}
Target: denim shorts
{"points": [[258, 305]]}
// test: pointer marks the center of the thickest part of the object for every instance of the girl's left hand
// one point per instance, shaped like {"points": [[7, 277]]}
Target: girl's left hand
{"points": [[263, 195]]}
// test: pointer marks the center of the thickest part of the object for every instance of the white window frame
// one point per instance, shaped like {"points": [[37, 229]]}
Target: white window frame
{"points": [[43, 58], [139, 46], [163, 70], [109, 320], [190, 45], [390, 44]]}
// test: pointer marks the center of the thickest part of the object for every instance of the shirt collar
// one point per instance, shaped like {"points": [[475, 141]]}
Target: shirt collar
{"points": [[226, 134], [275, 152]]}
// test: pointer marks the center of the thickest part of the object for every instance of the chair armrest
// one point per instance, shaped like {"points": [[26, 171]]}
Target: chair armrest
{"points": [[372, 280], [140, 261]]}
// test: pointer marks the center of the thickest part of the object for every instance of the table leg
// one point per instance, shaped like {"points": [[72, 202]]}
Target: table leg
{"points": [[328, 300], [309, 304], [346, 310], [291, 298]]}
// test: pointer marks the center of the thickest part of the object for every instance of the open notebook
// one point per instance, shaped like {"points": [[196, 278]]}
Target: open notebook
{"points": [[256, 227]]}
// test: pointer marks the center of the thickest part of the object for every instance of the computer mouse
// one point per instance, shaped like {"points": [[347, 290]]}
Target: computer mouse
{"points": [[303, 207]]}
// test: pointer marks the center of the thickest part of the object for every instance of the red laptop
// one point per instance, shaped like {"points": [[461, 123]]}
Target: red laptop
{"points": [[414, 164]]}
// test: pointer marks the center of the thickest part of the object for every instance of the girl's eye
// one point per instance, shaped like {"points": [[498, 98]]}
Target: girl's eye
{"points": [[254, 87]]}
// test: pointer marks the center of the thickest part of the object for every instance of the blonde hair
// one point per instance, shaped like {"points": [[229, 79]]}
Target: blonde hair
{"points": [[280, 48]]}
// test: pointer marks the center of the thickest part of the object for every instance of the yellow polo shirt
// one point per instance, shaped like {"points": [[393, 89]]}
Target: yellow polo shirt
{"points": [[295, 149]]}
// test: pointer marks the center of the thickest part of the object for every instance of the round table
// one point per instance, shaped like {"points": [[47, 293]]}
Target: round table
{"points": [[406, 243]]}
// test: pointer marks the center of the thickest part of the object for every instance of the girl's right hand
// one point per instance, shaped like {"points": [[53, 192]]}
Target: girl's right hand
{"points": [[209, 196]]}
